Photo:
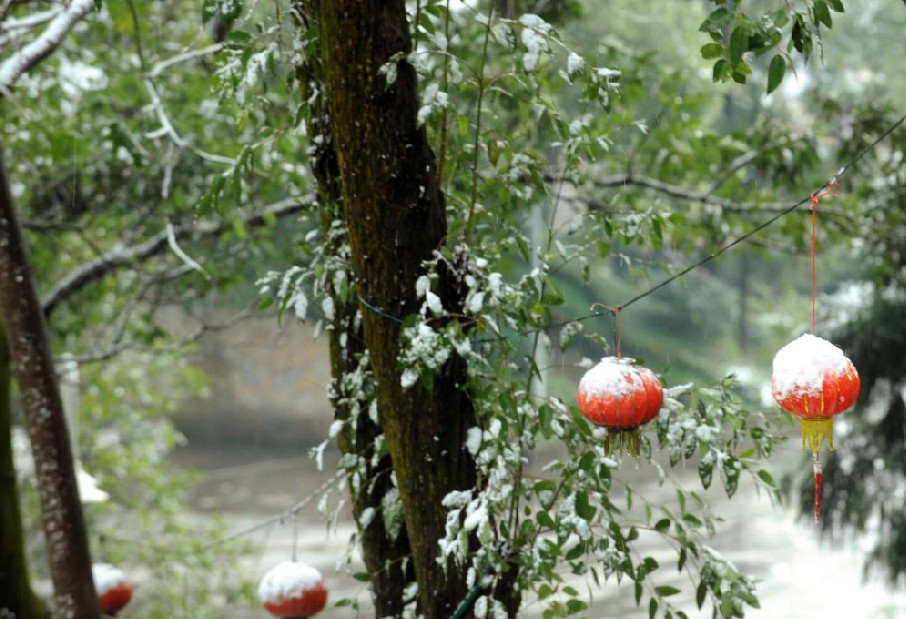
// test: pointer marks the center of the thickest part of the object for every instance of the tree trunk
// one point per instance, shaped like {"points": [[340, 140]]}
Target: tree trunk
{"points": [[16, 596], [29, 347], [395, 220], [385, 550]]}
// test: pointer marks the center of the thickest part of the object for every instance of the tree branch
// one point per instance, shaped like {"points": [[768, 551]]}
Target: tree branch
{"points": [[684, 193], [14, 67], [122, 256]]}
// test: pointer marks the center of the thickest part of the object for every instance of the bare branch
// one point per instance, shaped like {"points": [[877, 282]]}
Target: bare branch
{"points": [[163, 65], [123, 256], [14, 67], [167, 128]]}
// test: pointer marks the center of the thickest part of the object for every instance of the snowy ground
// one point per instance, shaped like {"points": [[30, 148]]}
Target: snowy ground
{"points": [[800, 579]]}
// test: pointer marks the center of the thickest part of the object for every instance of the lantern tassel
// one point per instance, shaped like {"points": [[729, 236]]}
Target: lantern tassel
{"points": [[815, 432], [819, 481], [622, 440]]}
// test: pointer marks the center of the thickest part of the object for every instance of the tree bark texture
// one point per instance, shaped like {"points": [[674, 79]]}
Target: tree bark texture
{"points": [[395, 219], [16, 596], [29, 347], [386, 555]]}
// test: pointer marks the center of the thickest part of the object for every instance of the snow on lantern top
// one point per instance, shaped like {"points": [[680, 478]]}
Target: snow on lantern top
{"points": [[800, 366], [113, 590], [293, 590]]}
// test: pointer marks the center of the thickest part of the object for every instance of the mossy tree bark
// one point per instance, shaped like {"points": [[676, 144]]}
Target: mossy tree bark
{"points": [[395, 220], [29, 349], [16, 596], [386, 552]]}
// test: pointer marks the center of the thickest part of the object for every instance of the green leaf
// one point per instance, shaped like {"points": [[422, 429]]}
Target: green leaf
{"points": [[767, 478], [587, 462], [662, 525], [721, 70], [584, 508], [576, 606], [822, 13], [576, 551], [652, 608], [712, 50], [798, 34], [666, 590], [209, 10], [700, 593], [739, 44], [705, 472], [717, 21], [837, 6], [362, 576], [726, 607]]}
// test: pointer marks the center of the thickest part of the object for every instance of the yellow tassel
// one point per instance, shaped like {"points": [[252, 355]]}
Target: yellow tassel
{"points": [[815, 432], [620, 440]]}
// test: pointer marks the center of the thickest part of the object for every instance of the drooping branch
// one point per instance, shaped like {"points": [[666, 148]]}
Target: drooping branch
{"points": [[29, 348], [22, 61], [120, 257]]}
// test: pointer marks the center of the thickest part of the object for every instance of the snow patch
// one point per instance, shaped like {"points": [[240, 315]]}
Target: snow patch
{"points": [[107, 577]]}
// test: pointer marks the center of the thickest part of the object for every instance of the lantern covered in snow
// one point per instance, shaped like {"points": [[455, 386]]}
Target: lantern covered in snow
{"points": [[620, 396], [293, 590], [813, 380], [113, 589]]}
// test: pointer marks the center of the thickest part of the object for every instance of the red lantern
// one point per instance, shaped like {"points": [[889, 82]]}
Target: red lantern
{"points": [[113, 590], [293, 590], [813, 380], [620, 396]]}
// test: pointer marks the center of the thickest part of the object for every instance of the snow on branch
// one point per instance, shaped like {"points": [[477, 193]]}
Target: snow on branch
{"points": [[16, 65], [123, 256]]}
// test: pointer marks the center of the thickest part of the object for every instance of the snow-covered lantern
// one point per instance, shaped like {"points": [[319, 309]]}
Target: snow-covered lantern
{"points": [[293, 590], [620, 396], [113, 589], [813, 380]]}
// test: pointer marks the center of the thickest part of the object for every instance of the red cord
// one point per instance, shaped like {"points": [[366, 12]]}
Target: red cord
{"points": [[819, 482], [830, 189]]}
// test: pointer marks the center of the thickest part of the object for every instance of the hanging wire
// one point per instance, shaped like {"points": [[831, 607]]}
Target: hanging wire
{"points": [[278, 518]]}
